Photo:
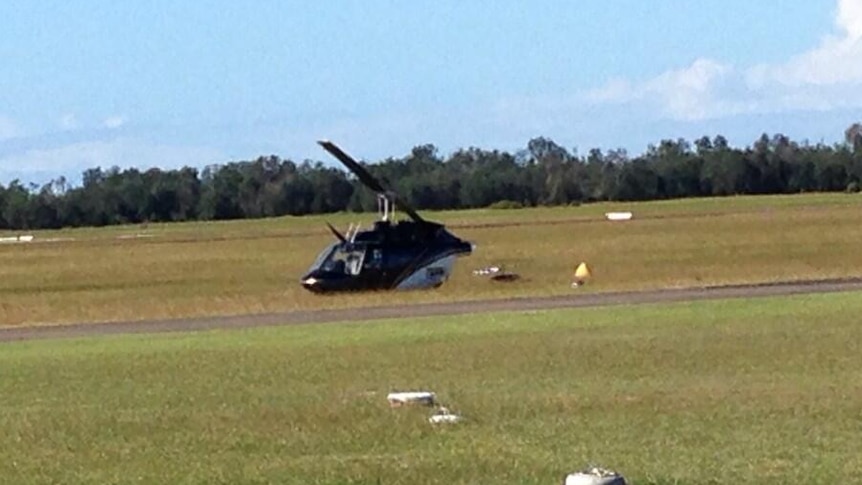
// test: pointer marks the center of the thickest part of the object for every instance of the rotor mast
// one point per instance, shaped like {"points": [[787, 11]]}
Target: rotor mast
{"points": [[385, 208]]}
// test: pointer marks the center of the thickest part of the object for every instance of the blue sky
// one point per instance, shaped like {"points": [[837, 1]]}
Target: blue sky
{"points": [[167, 84]]}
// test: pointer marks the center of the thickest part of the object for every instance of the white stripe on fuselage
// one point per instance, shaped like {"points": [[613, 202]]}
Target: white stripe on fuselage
{"points": [[428, 276]]}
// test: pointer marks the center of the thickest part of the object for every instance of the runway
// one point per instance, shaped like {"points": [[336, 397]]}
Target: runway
{"points": [[11, 334]]}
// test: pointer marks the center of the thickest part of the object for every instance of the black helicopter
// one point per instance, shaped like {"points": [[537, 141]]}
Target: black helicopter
{"points": [[409, 254]]}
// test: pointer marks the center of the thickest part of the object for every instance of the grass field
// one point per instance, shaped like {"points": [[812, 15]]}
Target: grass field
{"points": [[744, 392], [238, 267]]}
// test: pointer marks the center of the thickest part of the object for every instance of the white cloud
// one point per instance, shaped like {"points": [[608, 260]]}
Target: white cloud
{"points": [[113, 122], [826, 77], [9, 129], [615, 91], [73, 158], [850, 18], [689, 93], [835, 61], [70, 122]]}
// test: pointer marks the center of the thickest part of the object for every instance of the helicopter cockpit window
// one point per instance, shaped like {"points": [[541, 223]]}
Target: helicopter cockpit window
{"points": [[343, 258], [374, 259], [322, 257]]}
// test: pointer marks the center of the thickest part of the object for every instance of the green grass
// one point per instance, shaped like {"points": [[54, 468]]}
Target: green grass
{"points": [[744, 391], [200, 269]]}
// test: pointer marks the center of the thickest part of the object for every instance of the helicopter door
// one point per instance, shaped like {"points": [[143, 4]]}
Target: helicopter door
{"points": [[374, 272], [373, 260]]}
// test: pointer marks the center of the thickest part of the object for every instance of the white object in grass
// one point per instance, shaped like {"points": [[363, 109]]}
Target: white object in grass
{"points": [[618, 216], [423, 398], [595, 476], [443, 415]]}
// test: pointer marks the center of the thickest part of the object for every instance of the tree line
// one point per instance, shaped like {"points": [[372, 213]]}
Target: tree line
{"points": [[544, 173]]}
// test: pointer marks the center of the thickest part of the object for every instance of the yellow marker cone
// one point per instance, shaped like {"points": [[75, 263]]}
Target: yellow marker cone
{"points": [[582, 274]]}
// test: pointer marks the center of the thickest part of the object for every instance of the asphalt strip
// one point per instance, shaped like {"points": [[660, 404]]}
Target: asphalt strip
{"points": [[12, 334]]}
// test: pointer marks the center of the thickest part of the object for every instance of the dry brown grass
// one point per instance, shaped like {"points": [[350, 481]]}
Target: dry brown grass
{"points": [[253, 266]]}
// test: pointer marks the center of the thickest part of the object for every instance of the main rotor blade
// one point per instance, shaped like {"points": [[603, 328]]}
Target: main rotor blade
{"points": [[336, 233], [368, 179], [354, 166]]}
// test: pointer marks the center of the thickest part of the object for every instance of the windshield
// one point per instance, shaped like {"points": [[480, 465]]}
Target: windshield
{"points": [[340, 258]]}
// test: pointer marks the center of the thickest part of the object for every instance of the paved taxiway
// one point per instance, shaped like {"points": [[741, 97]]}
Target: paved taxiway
{"points": [[431, 309]]}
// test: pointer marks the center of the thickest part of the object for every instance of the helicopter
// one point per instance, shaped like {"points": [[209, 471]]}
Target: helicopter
{"points": [[403, 255]]}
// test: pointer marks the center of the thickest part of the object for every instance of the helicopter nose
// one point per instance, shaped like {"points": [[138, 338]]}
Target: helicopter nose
{"points": [[311, 283]]}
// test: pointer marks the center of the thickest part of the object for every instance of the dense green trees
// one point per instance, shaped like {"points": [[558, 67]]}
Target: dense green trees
{"points": [[544, 173]]}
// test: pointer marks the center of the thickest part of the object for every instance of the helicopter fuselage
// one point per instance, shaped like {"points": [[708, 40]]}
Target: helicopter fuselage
{"points": [[406, 255]]}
